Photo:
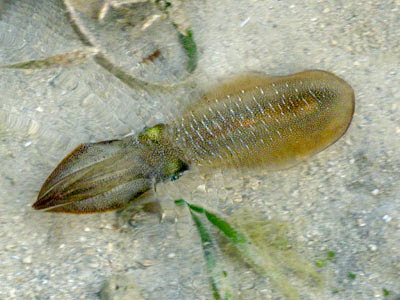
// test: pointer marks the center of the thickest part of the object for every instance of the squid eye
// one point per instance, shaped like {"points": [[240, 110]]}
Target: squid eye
{"points": [[175, 177], [176, 168]]}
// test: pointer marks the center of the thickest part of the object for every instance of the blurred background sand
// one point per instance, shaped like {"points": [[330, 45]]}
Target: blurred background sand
{"points": [[346, 199]]}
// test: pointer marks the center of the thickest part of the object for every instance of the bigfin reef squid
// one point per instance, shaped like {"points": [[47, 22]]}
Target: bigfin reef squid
{"points": [[249, 121]]}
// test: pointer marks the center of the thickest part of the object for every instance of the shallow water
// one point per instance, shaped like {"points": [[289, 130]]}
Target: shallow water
{"points": [[345, 199]]}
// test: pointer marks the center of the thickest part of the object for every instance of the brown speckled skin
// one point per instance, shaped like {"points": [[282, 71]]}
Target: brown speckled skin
{"points": [[98, 177], [270, 121], [251, 120]]}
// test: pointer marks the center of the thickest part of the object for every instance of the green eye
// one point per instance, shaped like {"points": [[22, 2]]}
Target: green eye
{"points": [[174, 169], [175, 177], [153, 134]]}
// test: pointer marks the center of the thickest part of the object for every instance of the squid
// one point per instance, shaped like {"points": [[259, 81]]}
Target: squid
{"points": [[252, 120]]}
